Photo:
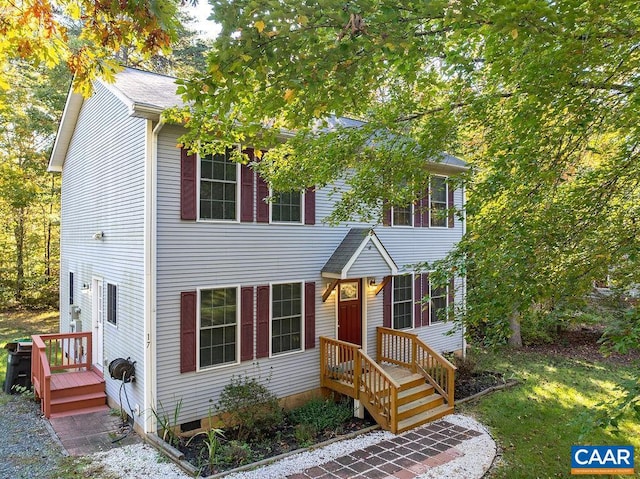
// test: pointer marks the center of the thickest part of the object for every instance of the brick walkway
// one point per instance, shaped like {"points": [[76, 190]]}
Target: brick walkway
{"points": [[405, 456]]}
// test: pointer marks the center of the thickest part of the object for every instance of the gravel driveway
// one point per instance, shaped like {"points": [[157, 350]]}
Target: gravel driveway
{"points": [[27, 449]]}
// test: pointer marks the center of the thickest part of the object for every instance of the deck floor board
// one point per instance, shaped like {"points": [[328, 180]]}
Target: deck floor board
{"points": [[74, 379]]}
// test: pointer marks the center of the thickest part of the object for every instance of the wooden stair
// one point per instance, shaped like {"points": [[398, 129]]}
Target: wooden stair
{"points": [[77, 392], [418, 402]]}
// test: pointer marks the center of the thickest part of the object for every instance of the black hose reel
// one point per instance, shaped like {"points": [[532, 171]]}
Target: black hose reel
{"points": [[123, 369]]}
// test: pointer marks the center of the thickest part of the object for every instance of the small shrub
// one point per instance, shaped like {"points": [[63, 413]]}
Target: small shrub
{"points": [[305, 434], [250, 407], [466, 367], [322, 414], [235, 452]]}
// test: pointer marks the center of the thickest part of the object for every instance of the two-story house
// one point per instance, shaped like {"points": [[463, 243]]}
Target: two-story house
{"points": [[178, 263]]}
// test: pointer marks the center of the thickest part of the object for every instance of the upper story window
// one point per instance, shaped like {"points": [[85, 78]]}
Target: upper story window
{"points": [[438, 298], [218, 187], [402, 216], [403, 301], [287, 207], [438, 201], [218, 326], [286, 317]]}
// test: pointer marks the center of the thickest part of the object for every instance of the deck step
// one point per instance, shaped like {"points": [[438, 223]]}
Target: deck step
{"points": [[408, 395], [77, 412], [419, 406], [71, 384], [424, 417], [78, 401]]}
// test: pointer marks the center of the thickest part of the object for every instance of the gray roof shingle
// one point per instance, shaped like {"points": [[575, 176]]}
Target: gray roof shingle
{"points": [[345, 250]]}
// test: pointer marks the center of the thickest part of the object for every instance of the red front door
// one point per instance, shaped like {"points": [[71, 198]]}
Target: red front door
{"points": [[350, 311]]}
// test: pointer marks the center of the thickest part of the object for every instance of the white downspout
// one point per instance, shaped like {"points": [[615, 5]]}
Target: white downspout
{"points": [[150, 208]]}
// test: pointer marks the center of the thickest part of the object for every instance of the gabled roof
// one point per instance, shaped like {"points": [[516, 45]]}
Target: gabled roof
{"points": [[343, 259], [147, 95]]}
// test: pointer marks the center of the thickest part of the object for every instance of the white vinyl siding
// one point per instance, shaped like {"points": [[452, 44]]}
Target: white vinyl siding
{"points": [[103, 191], [194, 254]]}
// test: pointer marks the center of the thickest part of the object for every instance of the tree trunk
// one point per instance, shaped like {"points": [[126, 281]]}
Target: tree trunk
{"points": [[18, 233], [515, 340], [47, 235]]}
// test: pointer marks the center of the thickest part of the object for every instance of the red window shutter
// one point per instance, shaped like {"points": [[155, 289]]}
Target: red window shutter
{"points": [[417, 298], [188, 308], [310, 206], [451, 295], [247, 182], [262, 206], [310, 315], [426, 312], [262, 331], [450, 207], [188, 185], [417, 214], [425, 209], [386, 214], [246, 332], [386, 303]]}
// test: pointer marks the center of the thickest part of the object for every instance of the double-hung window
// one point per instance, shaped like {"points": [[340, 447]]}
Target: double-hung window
{"points": [[218, 187], [286, 318], [438, 201], [218, 326], [402, 216], [286, 207], [403, 301], [438, 297]]}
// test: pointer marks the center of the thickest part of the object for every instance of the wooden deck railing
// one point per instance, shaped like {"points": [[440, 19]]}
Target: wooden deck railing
{"points": [[57, 352], [345, 368], [409, 351]]}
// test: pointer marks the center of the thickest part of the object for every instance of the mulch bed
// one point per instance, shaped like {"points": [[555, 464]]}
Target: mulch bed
{"points": [[274, 443], [582, 343]]}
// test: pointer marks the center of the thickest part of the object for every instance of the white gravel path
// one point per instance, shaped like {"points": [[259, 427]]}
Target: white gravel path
{"points": [[141, 461]]}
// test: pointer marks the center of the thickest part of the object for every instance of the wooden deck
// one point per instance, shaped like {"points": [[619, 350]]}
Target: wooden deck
{"points": [[408, 385], [63, 378]]}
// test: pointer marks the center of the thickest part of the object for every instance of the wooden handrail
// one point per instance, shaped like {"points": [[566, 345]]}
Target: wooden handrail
{"points": [[57, 352], [409, 351], [347, 369]]}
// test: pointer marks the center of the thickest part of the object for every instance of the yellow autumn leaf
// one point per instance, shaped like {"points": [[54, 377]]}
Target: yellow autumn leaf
{"points": [[245, 57], [258, 153], [303, 20], [514, 33], [272, 33], [259, 26], [289, 95], [73, 10]]}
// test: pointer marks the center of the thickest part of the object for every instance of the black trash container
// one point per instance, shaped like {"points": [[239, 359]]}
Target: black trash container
{"points": [[18, 366]]}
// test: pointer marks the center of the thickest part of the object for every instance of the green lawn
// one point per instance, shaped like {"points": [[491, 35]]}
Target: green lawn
{"points": [[537, 421], [22, 324]]}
